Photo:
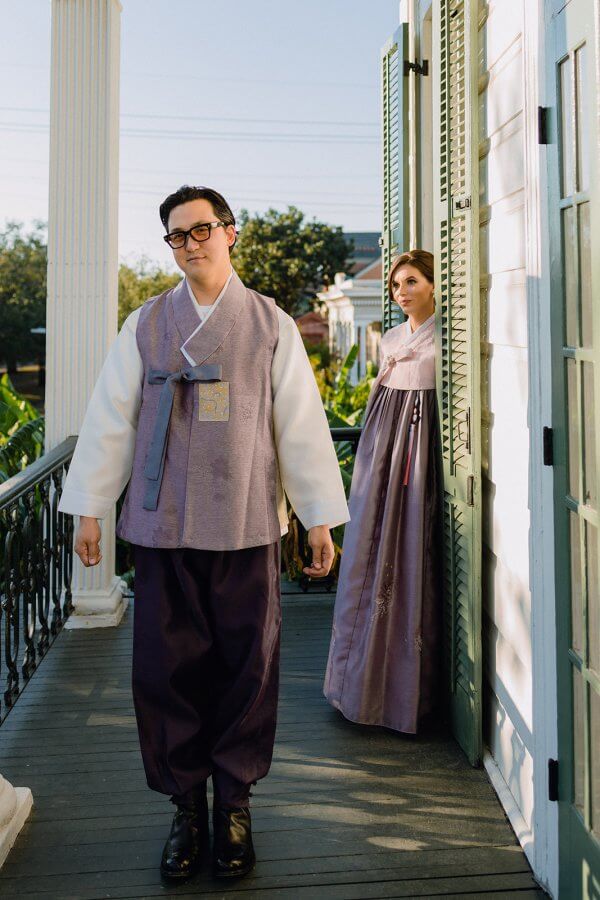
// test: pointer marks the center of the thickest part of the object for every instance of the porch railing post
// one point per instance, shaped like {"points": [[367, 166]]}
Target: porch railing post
{"points": [[82, 248]]}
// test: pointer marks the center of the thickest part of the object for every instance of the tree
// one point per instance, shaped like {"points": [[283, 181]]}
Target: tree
{"points": [[23, 262], [285, 257], [140, 282]]}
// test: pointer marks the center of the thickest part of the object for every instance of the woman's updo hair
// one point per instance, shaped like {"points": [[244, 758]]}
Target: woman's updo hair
{"points": [[420, 259]]}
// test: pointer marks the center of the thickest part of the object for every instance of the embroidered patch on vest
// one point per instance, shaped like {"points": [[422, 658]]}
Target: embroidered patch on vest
{"points": [[213, 402]]}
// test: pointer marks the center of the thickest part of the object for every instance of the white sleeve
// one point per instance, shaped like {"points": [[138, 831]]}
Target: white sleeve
{"points": [[308, 465], [103, 458]]}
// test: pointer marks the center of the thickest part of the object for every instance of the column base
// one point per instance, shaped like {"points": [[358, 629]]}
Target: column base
{"points": [[99, 609], [15, 806]]}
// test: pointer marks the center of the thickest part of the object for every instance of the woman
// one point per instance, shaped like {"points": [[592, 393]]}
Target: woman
{"points": [[385, 647]]}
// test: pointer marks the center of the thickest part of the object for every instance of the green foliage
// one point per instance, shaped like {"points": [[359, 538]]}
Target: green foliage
{"points": [[23, 262], [21, 431], [320, 353], [345, 406], [283, 256], [344, 402], [141, 281]]}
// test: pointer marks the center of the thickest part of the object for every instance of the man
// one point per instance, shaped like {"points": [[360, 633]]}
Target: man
{"points": [[208, 406]]}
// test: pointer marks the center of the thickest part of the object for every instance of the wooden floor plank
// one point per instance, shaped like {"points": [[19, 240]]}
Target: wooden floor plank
{"points": [[427, 865], [346, 812]]}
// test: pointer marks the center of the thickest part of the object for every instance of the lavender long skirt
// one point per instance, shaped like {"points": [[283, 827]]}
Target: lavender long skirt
{"points": [[384, 659]]}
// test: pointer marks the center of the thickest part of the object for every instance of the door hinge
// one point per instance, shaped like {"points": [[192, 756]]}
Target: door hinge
{"points": [[459, 204], [466, 439], [469, 430], [548, 446], [422, 69], [553, 779], [544, 125], [470, 490]]}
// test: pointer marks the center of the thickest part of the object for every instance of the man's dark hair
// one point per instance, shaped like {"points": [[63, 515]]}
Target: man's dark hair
{"points": [[186, 193]]}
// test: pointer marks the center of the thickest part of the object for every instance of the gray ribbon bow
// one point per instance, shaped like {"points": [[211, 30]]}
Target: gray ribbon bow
{"points": [[155, 461]]}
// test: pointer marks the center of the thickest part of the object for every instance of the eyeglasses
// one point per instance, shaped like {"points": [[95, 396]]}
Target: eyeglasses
{"points": [[178, 239]]}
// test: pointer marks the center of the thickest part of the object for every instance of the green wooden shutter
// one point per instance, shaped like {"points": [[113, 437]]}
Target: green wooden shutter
{"points": [[395, 162], [456, 193]]}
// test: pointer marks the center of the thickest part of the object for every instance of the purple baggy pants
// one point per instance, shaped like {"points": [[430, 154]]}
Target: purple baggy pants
{"points": [[206, 667]]}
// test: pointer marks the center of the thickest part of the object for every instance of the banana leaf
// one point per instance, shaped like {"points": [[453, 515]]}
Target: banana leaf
{"points": [[343, 375], [23, 447]]}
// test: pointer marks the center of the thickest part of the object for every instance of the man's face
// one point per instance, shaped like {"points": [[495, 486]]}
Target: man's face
{"points": [[199, 259]]}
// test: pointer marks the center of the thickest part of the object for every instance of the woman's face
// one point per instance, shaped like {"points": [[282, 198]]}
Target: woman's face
{"points": [[412, 292]]}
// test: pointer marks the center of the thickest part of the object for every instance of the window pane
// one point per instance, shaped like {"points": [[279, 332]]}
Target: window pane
{"points": [[565, 75], [585, 276], [590, 475], [595, 760], [578, 744], [593, 595], [573, 420], [569, 246], [583, 121], [576, 587]]}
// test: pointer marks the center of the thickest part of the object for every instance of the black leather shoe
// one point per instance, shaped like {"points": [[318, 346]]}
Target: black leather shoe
{"points": [[233, 853], [187, 842]]}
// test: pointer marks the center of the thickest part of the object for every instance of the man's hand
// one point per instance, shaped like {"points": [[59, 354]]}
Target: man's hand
{"points": [[320, 542], [87, 541]]}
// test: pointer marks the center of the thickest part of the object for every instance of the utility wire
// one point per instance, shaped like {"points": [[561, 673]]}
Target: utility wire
{"points": [[233, 173], [153, 189], [262, 200], [214, 136], [352, 124], [240, 201], [206, 78]]}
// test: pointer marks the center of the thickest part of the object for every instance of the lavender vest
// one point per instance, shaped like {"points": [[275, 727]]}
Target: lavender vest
{"points": [[205, 469]]}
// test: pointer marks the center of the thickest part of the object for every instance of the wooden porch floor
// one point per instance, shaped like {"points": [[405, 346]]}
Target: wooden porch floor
{"points": [[346, 812]]}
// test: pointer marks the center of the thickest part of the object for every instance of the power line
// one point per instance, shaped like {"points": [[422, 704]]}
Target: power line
{"points": [[150, 189], [205, 78], [214, 136], [168, 172], [238, 204], [233, 173], [279, 202], [352, 124], [270, 81]]}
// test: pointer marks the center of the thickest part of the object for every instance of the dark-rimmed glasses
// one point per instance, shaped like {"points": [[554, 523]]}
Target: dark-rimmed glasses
{"points": [[201, 232]]}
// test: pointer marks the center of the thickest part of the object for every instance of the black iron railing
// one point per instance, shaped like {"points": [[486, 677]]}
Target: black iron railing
{"points": [[349, 434], [347, 440], [36, 562]]}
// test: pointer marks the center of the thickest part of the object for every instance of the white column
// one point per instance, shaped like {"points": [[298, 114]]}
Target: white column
{"points": [[359, 339], [363, 348], [15, 806], [350, 339], [82, 248]]}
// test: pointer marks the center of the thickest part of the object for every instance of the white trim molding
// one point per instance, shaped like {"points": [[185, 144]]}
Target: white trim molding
{"points": [[514, 815], [545, 854]]}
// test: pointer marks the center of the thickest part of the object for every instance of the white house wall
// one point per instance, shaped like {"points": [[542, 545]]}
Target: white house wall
{"points": [[506, 518]]}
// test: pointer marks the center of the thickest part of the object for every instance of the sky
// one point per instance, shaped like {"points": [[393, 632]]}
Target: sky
{"points": [[271, 103]]}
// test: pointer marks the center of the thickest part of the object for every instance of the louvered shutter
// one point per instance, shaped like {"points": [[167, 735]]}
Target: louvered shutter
{"points": [[456, 224], [395, 162]]}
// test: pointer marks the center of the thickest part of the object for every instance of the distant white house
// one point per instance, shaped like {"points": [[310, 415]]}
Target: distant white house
{"points": [[353, 307]]}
